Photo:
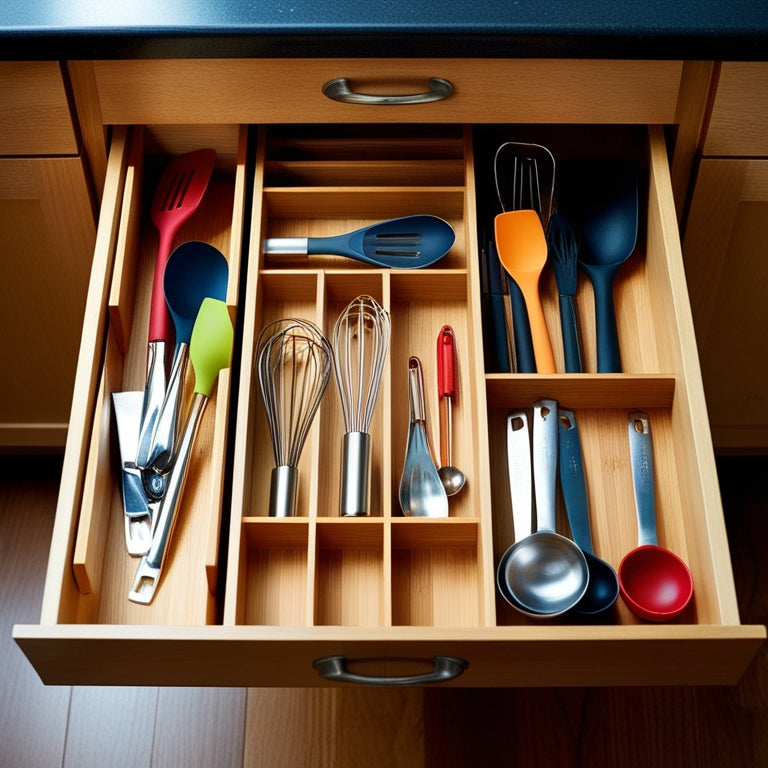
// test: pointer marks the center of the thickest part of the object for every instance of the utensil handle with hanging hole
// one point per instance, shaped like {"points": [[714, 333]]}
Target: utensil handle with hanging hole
{"points": [[545, 462], [641, 458]]}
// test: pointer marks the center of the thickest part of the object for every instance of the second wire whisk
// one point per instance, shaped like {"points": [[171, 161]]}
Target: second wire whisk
{"points": [[293, 361], [360, 343]]}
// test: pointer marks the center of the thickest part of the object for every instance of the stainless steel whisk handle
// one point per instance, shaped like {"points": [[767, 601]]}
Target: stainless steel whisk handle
{"points": [[283, 491], [355, 475]]}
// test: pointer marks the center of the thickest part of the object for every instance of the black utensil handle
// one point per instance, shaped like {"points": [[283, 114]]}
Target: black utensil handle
{"points": [[570, 329], [608, 354], [498, 324], [524, 355]]}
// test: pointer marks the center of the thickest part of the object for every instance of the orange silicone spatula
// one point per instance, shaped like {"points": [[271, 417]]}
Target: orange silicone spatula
{"points": [[522, 249]]}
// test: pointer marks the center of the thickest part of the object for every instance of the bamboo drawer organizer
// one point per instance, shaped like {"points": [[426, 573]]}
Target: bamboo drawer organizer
{"points": [[251, 600]]}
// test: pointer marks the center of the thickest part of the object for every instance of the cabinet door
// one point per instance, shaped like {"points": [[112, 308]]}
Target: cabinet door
{"points": [[739, 112], [35, 118], [727, 273], [47, 233]]}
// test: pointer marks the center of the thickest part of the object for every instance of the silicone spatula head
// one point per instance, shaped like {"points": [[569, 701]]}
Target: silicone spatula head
{"points": [[521, 243], [195, 270], [210, 347], [522, 248]]}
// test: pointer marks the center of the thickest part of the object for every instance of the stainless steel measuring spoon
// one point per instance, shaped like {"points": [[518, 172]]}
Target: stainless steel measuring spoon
{"points": [[545, 573]]}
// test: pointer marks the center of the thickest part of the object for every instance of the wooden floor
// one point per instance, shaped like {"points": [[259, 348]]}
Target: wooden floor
{"points": [[450, 728]]}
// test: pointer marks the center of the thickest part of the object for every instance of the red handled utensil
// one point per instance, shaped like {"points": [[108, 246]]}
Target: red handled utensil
{"points": [[453, 479], [178, 196]]}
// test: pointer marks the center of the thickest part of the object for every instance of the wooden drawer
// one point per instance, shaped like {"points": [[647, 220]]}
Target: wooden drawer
{"points": [[739, 112], [290, 90], [385, 592], [35, 117]]}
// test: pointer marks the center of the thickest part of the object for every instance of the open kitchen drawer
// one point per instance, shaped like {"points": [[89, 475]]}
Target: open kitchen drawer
{"points": [[387, 594]]}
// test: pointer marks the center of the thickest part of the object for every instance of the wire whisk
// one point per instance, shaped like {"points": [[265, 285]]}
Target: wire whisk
{"points": [[293, 361], [360, 344]]}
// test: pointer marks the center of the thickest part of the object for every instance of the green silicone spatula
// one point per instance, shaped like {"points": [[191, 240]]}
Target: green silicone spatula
{"points": [[210, 350]]}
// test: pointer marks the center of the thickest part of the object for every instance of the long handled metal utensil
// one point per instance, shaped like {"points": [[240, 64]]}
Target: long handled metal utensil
{"points": [[210, 350], [421, 490], [194, 271]]}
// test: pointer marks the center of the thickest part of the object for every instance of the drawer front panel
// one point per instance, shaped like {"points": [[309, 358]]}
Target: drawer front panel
{"points": [[740, 112], [35, 117], [97, 655], [290, 91]]}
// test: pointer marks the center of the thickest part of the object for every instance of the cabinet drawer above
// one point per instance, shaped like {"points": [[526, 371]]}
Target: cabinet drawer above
{"points": [[484, 90]]}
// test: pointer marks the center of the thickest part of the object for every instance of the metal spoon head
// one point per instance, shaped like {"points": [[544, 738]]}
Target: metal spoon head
{"points": [[421, 491], [546, 573], [452, 478]]}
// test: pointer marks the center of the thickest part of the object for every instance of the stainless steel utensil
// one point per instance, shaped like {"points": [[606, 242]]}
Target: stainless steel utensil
{"points": [[545, 573], [210, 350], [293, 364], [360, 343], [521, 496], [525, 178], [194, 271], [421, 490], [140, 512]]}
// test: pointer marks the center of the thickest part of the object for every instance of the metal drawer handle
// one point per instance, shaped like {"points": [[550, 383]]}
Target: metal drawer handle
{"points": [[339, 89], [335, 668]]}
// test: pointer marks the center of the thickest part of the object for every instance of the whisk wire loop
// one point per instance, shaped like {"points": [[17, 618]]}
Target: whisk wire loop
{"points": [[294, 364], [360, 343]]}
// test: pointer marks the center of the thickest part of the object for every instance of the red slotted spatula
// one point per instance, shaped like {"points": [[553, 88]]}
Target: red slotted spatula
{"points": [[178, 195]]}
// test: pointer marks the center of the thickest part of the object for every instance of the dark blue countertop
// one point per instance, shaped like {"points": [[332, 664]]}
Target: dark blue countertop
{"points": [[647, 29]]}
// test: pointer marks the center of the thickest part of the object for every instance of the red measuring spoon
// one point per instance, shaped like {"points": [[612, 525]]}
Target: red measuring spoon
{"points": [[654, 582]]}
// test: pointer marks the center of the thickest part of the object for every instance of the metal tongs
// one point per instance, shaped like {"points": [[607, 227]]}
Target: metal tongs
{"points": [[142, 489]]}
